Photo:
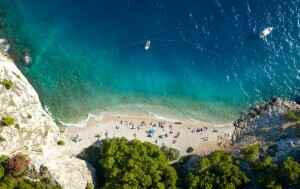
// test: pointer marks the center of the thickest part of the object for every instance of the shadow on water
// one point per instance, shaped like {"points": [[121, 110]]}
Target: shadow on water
{"points": [[297, 99], [252, 37]]}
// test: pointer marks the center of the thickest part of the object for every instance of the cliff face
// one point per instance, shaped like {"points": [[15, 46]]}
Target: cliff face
{"points": [[266, 124], [34, 132]]}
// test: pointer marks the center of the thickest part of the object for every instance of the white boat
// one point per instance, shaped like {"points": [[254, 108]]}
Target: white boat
{"points": [[265, 32], [147, 46]]}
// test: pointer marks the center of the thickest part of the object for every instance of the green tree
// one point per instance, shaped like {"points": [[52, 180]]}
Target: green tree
{"points": [[1, 171], [171, 153], [266, 173], [134, 165], [251, 153], [290, 172], [217, 171], [3, 186]]}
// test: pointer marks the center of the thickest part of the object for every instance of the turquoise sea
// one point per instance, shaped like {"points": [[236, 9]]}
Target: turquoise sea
{"points": [[205, 61]]}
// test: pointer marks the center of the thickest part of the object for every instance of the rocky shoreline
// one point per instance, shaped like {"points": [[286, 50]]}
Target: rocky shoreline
{"points": [[34, 133], [266, 124]]}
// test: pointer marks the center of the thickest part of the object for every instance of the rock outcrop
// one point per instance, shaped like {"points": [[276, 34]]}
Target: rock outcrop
{"points": [[266, 124], [35, 133]]}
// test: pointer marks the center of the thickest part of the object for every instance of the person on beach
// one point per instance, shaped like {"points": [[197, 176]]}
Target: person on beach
{"points": [[106, 134]]}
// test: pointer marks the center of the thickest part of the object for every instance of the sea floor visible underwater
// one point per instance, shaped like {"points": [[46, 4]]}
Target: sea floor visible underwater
{"points": [[206, 61]]}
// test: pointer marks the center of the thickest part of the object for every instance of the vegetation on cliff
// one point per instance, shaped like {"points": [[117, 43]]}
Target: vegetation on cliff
{"points": [[8, 121], [269, 174], [12, 174], [8, 84]]}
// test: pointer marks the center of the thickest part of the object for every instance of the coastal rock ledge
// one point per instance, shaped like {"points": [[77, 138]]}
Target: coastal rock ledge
{"points": [[267, 125], [34, 132]]}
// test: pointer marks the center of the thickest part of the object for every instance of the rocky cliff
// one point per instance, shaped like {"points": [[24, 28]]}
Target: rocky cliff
{"points": [[34, 132], [267, 125]]}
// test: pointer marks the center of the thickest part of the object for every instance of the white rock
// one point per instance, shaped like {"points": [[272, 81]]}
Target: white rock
{"points": [[39, 132]]}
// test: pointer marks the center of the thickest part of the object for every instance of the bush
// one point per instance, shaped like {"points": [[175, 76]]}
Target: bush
{"points": [[189, 150], [40, 150], [2, 139], [171, 153], [250, 153], [18, 76], [3, 186], [291, 116], [89, 186], [1, 171], [61, 142], [265, 130], [29, 116], [7, 84], [7, 121], [10, 181], [17, 126], [18, 164]]}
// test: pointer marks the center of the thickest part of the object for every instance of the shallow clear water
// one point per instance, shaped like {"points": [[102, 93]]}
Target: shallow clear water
{"points": [[205, 60]]}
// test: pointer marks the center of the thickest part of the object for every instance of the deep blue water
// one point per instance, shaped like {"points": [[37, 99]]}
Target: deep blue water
{"points": [[205, 60]]}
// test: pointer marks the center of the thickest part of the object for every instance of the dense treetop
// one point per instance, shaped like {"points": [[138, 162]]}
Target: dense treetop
{"points": [[133, 164], [217, 171]]}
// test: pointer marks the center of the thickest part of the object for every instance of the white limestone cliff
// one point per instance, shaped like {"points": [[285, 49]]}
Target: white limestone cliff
{"points": [[37, 134]]}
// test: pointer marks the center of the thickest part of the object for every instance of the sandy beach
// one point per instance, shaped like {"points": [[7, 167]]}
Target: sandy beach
{"points": [[204, 137]]}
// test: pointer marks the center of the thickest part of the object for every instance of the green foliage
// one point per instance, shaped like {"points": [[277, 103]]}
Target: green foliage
{"points": [[89, 186], [290, 172], [217, 171], [61, 142], [7, 84], [265, 130], [29, 116], [171, 153], [266, 173], [2, 139], [8, 121], [251, 153], [40, 150], [133, 164], [3, 158], [1, 171], [291, 116], [3, 186], [17, 126], [18, 76], [8, 181], [189, 150]]}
